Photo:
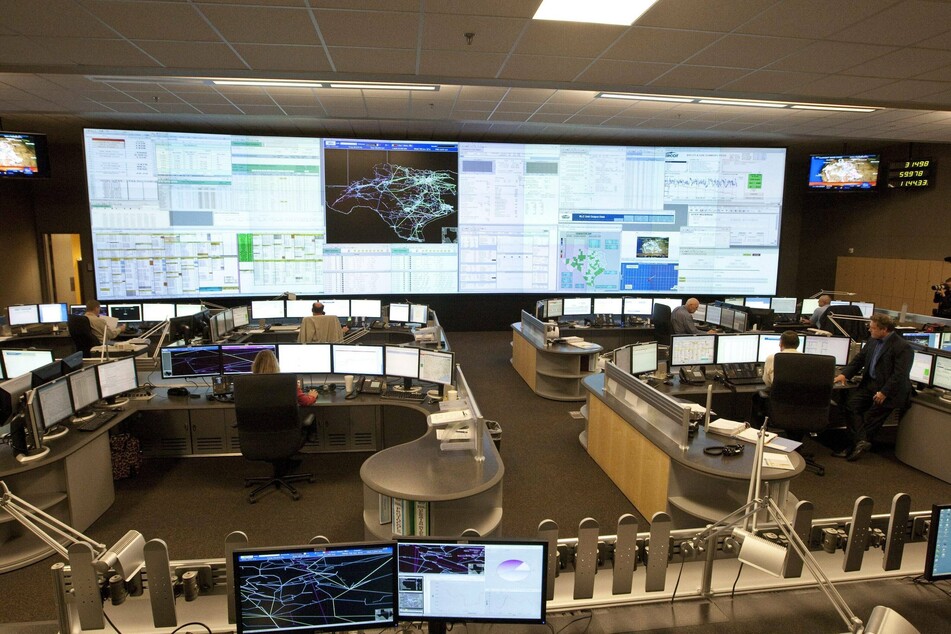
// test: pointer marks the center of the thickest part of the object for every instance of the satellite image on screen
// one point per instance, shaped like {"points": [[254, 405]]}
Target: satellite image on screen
{"points": [[859, 171], [17, 156]]}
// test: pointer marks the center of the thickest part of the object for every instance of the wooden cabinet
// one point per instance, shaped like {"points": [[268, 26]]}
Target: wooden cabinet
{"points": [[553, 372]]}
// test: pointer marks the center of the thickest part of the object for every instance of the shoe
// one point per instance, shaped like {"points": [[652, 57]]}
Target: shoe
{"points": [[842, 453], [860, 447]]}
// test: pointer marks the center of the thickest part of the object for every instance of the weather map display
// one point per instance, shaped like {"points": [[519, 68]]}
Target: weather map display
{"points": [[18, 155], [484, 581], [340, 587], [188, 215]]}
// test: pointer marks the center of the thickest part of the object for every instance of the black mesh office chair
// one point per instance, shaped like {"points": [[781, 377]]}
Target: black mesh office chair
{"points": [[660, 318], [799, 398], [853, 322], [81, 333], [270, 428]]}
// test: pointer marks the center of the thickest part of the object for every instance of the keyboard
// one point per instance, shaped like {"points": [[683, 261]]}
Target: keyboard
{"points": [[416, 397], [97, 421], [753, 380]]}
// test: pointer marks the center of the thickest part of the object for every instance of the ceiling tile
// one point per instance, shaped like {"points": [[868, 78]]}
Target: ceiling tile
{"points": [[444, 32], [902, 63], [268, 57], [261, 25], [509, 116], [305, 111], [746, 51], [607, 73], [568, 39], [902, 24], [94, 52], [697, 77], [811, 18], [903, 90], [374, 60], [460, 63], [840, 86], [644, 44], [207, 56], [13, 48], [508, 8], [59, 19], [484, 93], [702, 15], [548, 118], [769, 81], [261, 110], [226, 109], [830, 57], [543, 67], [152, 20], [369, 28]]}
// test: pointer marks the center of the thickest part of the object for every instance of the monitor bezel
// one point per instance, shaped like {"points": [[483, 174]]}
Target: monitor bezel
{"points": [[185, 349], [127, 360], [674, 345], [258, 347], [929, 573]]}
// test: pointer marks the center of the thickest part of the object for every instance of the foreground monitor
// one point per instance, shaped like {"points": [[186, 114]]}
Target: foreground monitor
{"points": [[938, 557], [315, 589], [480, 581]]}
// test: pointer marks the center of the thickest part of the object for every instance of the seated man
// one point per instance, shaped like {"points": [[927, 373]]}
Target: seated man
{"points": [[788, 342], [885, 361], [824, 302], [100, 328], [681, 318], [320, 328]]}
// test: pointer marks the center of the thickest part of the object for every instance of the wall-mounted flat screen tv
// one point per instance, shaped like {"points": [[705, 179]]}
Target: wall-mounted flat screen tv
{"points": [[24, 155], [843, 172]]}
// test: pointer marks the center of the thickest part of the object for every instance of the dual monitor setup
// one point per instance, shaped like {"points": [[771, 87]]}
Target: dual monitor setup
{"points": [[708, 349], [34, 404], [377, 584], [932, 369], [408, 363]]}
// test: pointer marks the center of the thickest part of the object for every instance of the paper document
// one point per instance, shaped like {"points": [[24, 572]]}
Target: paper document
{"points": [[750, 435], [448, 417], [727, 427], [582, 344], [777, 461]]}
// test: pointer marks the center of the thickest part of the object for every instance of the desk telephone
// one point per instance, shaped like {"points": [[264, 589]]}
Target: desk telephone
{"points": [[692, 374], [221, 385], [742, 371], [368, 386]]}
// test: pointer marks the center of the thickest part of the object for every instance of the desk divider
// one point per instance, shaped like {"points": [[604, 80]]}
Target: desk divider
{"points": [[663, 412]]}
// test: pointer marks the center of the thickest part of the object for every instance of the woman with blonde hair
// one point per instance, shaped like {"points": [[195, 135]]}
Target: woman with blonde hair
{"points": [[265, 362]]}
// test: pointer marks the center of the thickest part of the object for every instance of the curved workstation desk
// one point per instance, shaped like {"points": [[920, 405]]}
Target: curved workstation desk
{"points": [[552, 371], [648, 455], [922, 440]]}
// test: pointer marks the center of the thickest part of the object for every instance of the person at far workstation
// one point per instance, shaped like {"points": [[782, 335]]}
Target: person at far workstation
{"points": [[885, 362], [320, 328], [681, 318], [788, 342], [98, 324], [266, 363], [824, 301], [942, 297]]}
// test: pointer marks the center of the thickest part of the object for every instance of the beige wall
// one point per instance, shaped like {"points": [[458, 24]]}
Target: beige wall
{"points": [[890, 283]]}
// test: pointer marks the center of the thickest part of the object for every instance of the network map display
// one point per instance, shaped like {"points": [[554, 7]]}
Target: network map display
{"points": [[185, 215]]}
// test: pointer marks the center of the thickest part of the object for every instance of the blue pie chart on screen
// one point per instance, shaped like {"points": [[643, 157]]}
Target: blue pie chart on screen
{"points": [[513, 570]]}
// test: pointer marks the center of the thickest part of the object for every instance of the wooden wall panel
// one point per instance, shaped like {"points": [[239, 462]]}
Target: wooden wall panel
{"points": [[889, 283]]}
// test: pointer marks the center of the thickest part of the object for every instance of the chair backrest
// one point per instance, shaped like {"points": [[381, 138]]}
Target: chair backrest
{"points": [[81, 333], [268, 418], [320, 329], [660, 318], [856, 328], [801, 390]]}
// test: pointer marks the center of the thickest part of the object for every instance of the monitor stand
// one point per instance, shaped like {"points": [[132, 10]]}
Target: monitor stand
{"points": [[56, 431], [407, 386], [32, 454], [83, 416], [436, 627], [115, 402]]}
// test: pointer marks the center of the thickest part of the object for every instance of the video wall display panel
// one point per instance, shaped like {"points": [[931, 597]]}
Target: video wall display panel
{"points": [[187, 215]]}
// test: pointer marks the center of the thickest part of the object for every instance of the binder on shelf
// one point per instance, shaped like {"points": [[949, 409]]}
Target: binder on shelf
{"points": [[386, 509], [422, 518]]}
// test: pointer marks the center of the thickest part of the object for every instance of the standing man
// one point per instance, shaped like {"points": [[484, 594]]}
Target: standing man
{"points": [[681, 318], [824, 301], [885, 362], [99, 325]]}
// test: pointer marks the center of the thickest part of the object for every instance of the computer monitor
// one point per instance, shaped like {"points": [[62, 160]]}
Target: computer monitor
{"points": [[214, 334], [267, 309], [83, 388], [926, 339], [768, 344], [336, 307], [938, 553], [757, 302], [184, 310], [126, 313], [554, 308], [315, 588], [809, 306], [727, 317], [692, 350], [72, 362], [737, 348], [182, 327], [366, 308], [839, 302], [77, 309], [608, 305], [491, 581], [941, 377], [741, 321], [867, 308], [189, 361], [735, 301], [299, 358], [783, 305], [945, 341], [436, 366], [116, 377], [642, 306], [53, 313], [351, 359], [157, 312], [299, 308], [922, 365], [52, 404], [644, 358], [419, 314], [10, 392], [46, 373], [577, 306], [837, 347], [713, 314], [700, 315], [398, 313], [18, 362], [23, 314], [241, 316], [673, 302], [237, 359], [402, 361]]}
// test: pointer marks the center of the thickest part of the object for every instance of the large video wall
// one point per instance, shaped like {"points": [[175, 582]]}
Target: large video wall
{"points": [[178, 215]]}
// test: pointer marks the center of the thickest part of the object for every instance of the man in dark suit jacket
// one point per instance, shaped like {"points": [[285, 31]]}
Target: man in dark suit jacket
{"points": [[885, 362]]}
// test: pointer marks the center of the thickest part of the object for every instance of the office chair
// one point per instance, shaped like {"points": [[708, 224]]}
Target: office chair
{"points": [[320, 329], [81, 333], [660, 318], [854, 324], [800, 397], [270, 429]]}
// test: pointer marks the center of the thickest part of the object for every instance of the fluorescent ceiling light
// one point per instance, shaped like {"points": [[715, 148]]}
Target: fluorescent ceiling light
{"points": [[281, 83], [621, 12], [386, 86], [832, 108], [614, 95], [741, 102]]}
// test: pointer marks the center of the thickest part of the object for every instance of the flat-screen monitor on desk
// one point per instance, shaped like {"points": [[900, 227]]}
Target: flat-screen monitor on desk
{"points": [[945, 341], [941, 378], [116, 377], [83, 388], [673, 302], [336, 307], [643, 358], [51, 404], [577, 306], [837, 347], [366, 308], [298, 308], [692, 350], [926, 339], [608, 305], [867, 308], [241, 316], [189, 361], [938, 554], [357, 360], [53, 313], [419, 314], [398, 313], [809, 306], [17, 362], [740, 321], [641, 306], [299, 358], [554, 308], [783, 305], [768, 344], [727, 317], [436, 366], [184, 310], [157, 312], [713, 314], [267, 309], [757, 302], [126, 313], [922, 365], [23, 314], [490, 581], [402, 361], [315, 588], [735, 301], [737, 348], [238, 359], [700, 315]]}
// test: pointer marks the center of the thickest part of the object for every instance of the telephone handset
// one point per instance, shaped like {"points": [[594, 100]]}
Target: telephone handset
{"points": [[692, 374]]}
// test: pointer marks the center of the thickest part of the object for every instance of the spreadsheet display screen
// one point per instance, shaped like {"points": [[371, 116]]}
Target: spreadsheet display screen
{"points": [[189, 215]]}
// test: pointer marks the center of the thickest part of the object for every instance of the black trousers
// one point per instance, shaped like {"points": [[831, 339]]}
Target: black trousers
{"points": [[867, 416]]}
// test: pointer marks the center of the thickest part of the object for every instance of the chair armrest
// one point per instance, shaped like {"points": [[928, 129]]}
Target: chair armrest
{"points": [[309, 420]]}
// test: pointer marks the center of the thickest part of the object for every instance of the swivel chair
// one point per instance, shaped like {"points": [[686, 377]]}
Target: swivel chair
{"points": [[270, 428], [81, 333], [799, 399], [320, 329], [853, 322], [660, 318]]}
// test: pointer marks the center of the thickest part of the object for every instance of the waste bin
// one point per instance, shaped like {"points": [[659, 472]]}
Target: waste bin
{"points": [[495, 432]]}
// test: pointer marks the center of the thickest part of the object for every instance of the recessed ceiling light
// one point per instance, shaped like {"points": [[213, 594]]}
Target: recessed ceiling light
{"points": [[632, 97], [265, 83], [743, 102], [621, 12], [832, 108], [429, 87]]}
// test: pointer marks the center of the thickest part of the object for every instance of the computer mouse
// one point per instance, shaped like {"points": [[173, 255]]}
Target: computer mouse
{"points": [[668, 382]]}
